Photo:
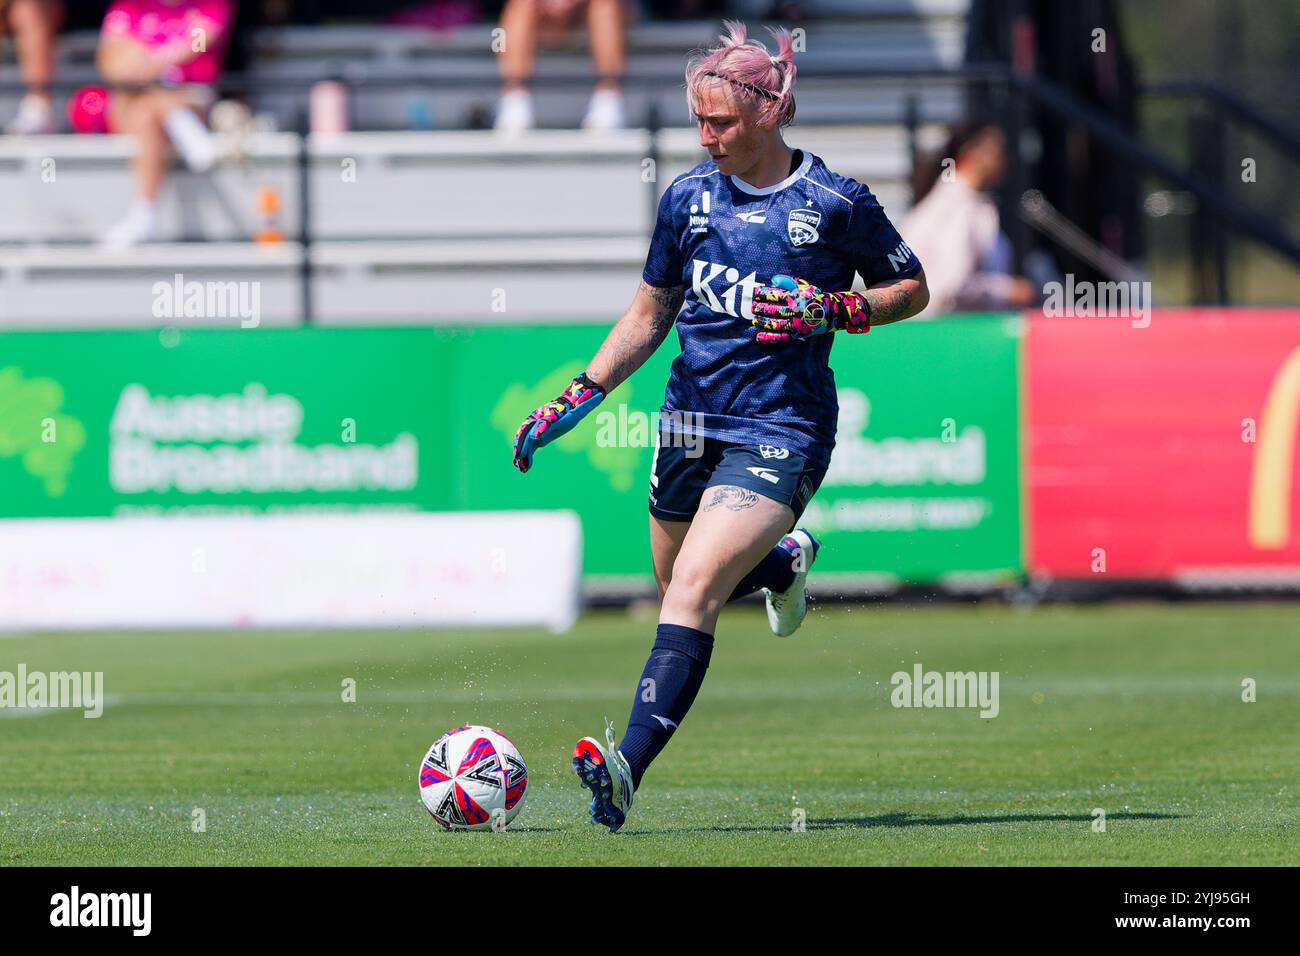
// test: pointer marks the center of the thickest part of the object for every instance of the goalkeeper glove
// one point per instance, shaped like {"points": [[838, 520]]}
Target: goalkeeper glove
{"points": [[550, 421], [789, 309]]}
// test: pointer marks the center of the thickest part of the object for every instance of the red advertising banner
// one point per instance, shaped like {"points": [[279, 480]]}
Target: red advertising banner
{"points": [[1165, 451]]}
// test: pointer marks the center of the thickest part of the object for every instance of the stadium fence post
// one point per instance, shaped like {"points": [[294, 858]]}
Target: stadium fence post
{"points": [[304, 217], [1201, 223]]}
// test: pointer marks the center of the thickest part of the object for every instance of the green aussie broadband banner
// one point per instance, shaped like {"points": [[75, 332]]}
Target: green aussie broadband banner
{"points": [[924, 481]]}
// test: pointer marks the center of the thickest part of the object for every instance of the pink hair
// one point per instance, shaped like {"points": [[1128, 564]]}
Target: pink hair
{"points": [[758, 79]]}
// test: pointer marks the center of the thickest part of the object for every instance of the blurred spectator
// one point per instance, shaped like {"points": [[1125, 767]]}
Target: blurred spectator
{"points": [[162, 56], [34, 24], [955, 230], [524, 21]]}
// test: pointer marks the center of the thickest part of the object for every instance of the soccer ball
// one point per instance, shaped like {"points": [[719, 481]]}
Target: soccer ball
{"points": [[473, 778]]}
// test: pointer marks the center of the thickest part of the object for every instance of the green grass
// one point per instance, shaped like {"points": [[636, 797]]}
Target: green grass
{"points": [[1132, 708]]}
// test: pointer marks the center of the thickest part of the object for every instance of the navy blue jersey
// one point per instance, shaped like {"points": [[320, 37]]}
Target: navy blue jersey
{"points": [[720, 238]]}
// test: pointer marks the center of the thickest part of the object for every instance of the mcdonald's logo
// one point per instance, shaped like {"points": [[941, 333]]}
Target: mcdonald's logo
{"points": [[1273, 473]]}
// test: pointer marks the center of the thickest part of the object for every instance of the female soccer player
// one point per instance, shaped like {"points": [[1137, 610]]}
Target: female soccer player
{"points": [[752, 241]]}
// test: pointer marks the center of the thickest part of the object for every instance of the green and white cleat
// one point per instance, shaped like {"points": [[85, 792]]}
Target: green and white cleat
{"points": [[787, 609], [605, 772]]}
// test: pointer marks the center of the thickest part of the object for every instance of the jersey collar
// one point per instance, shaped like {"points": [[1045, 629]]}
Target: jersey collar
{"points": [[775, 187]]}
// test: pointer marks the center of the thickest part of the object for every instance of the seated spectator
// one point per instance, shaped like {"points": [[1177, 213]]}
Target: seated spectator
{"points": [[162, 57], [34, 24], [955, 230], [523, 21]]}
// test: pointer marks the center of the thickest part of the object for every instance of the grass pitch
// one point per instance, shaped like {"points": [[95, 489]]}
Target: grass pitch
{"points": [[1134, 709]]}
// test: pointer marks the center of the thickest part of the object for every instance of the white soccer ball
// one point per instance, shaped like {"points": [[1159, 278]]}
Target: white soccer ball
{"points": [[473, 778]]}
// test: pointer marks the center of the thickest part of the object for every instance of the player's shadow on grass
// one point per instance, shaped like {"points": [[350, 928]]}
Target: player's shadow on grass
{"points": [[904, 819]]}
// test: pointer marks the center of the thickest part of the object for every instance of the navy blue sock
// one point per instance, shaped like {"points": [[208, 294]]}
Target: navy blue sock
{"points": [[775, 571], [669, 683]]}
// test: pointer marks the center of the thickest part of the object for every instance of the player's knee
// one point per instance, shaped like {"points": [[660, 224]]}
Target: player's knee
{"points": [[692, 588]]}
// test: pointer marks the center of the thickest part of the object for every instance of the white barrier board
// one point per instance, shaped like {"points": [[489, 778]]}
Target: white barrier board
{"points": [[418, 569]]}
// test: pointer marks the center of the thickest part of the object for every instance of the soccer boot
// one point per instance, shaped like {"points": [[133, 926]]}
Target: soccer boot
{"points": [[604, 771], [787, 609]]}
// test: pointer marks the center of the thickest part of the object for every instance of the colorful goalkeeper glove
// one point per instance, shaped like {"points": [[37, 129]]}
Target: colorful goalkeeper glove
{"points": [[789, 309], [553, 419]]}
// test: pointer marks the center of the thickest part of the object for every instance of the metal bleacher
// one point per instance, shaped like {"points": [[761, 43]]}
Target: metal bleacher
{"points": [[429, 225]]}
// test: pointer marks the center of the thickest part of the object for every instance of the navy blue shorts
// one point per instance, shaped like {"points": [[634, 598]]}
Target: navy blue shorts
{"points": [[679, 475]]}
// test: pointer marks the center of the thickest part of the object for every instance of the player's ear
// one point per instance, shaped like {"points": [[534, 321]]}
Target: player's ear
{"points": [[766, 120]]}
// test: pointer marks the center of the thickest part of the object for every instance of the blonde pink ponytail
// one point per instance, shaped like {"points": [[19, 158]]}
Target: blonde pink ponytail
{"points": [[763, 80]]}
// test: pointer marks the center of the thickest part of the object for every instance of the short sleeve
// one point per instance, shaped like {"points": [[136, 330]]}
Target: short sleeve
{"points": [[874, 246], [663, 263]]}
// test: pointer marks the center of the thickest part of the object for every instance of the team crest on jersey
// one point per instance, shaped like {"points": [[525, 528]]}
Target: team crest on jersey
{"points": [[771, 451], [801, 225]]}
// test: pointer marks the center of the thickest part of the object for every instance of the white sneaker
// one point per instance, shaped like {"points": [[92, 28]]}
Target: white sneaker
{"points": [[604, 771], [605, 111], [192, 139], [787, 609], [35, 118], [515, 112], [139, 225]]}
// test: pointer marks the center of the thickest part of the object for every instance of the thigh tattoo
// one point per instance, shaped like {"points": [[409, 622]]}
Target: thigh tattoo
{"points": [[731, 498]]}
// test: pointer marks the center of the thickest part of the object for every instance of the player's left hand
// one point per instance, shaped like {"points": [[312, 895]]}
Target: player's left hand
{"points": [[790, 309], [547, 423]]}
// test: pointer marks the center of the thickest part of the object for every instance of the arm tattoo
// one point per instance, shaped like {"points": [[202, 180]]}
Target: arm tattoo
{"points": [[622, 352], [732, 498], [634, 340], [888, 304], [667, 302]]}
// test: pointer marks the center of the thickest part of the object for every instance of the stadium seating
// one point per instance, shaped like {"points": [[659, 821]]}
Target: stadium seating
{"points": [[458, 77], [424, 214], [430, 224]]}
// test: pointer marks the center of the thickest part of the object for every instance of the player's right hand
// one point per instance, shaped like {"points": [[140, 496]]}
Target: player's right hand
{"points": [[550, 421]]}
